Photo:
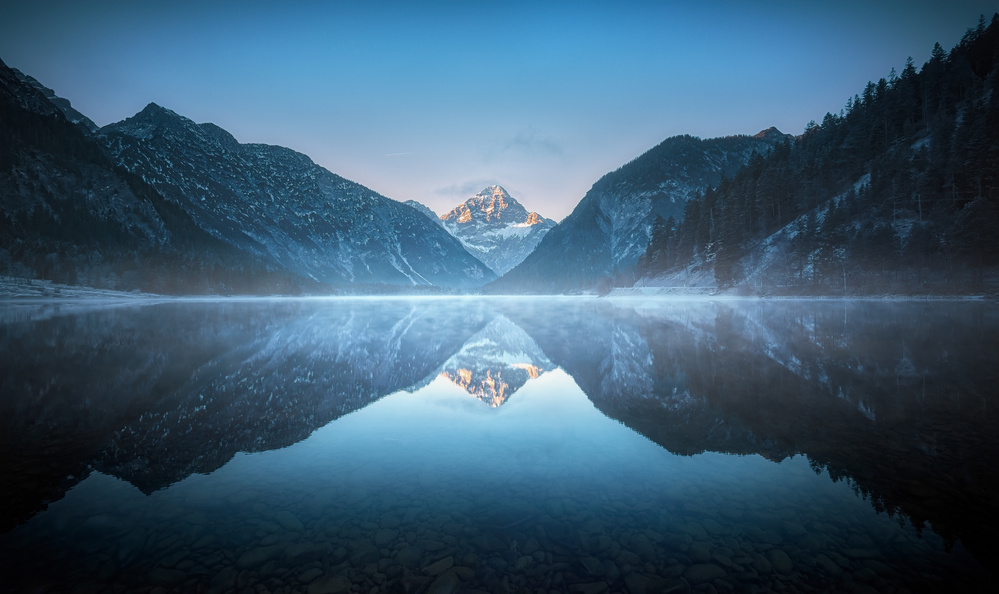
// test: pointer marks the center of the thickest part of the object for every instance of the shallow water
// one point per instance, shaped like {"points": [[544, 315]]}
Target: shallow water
{"points": [[554, 445]]}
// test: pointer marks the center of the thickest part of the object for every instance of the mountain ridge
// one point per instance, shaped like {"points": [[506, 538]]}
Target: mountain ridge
{"points": [[70, 215], [63, 104], [277, 204], [146, 202]]}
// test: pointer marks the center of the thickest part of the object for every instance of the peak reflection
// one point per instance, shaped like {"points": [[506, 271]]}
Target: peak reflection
{"points": [[496, 362]]}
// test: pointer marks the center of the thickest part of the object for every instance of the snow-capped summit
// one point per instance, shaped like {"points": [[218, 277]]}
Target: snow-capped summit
{"points": [[491, 205], [496, 228]]}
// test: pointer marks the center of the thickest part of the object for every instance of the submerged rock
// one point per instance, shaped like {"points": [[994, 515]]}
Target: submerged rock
{"points": [[781, 562], [288, 521], [439, 566], [700, 573], [642, 546], [446, 583], [385, 536], [330, 584], [409, 556], [258, 556]]}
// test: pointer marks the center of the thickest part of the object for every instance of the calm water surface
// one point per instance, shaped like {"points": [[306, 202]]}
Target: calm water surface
{"points": [[521, 445]]}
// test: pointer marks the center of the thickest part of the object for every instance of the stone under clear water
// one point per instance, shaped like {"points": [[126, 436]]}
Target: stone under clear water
{"points": [[499, 445]]}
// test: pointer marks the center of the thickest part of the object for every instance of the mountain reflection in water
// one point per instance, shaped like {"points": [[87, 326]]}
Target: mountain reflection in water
{"points": [[895, 399], [496, 362]]}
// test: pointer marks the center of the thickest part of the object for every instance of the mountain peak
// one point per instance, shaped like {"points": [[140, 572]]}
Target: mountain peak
{"points": [[495, 228], [154, 110], [16, 91], [155, 118], [219, 136], [534, 218], [494, 191], [148, 121], [492, 205], [493, 201], [425, 210], [771, 134]]}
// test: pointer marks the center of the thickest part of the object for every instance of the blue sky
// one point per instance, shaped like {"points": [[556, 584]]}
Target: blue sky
{"points": [[434, 100]]}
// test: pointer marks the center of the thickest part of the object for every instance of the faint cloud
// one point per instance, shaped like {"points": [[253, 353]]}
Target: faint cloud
{"points": [[528, 143], [531, 142], [465, 189]]}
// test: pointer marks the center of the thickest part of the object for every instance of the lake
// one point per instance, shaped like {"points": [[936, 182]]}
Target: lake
{"points": [[499, 445]]}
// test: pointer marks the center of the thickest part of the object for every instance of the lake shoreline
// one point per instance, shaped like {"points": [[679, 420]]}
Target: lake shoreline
{"points": [[21, 290]]}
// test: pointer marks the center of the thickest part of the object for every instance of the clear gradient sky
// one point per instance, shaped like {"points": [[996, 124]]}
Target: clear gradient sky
{"points": [[433, 101]]}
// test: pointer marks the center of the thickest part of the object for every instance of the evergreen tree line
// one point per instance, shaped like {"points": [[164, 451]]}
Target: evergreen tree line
{"points": [[897, 191]]}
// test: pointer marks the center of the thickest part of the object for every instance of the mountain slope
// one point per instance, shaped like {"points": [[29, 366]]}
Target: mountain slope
{"points": [[277, 204], [899, 193], [609, 229], [425, 210], [68, 214], [496, 229]]}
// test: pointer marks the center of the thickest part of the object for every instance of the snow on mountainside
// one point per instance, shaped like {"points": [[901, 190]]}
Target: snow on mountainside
{"points": [[276, 203], [610, 227], [496, 229]]}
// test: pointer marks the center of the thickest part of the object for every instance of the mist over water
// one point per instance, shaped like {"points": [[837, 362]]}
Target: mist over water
{"points": [[444, 445]]}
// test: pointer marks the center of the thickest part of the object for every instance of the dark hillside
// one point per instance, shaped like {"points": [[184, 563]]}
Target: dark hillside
{"points": [[897, 193], [70, 215]]}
